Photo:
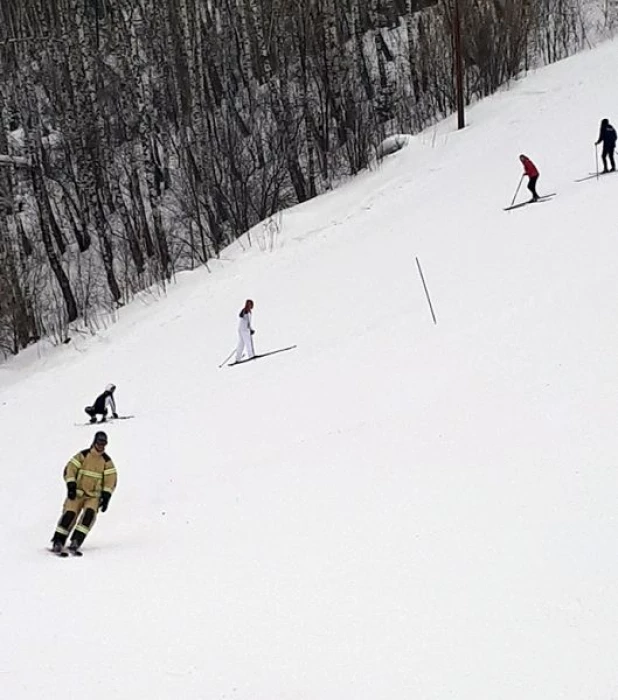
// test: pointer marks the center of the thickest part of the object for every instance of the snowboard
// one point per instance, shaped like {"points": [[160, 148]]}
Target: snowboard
{"points": [[105, 422], [65, 551]]}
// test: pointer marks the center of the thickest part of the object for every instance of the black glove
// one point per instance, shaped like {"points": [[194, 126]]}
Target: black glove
{"points": [[71, 490], [114, 415], [104, 500], [252, 332]]}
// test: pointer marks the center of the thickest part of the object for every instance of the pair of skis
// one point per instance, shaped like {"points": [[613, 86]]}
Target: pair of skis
{"points": [[544, 198], [590, 176], [264, 354], [64, 552]]}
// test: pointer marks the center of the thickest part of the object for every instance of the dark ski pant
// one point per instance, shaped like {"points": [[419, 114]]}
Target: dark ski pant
{"points": [[532, 186], [608, 153], [93, 413], [88, 507]]}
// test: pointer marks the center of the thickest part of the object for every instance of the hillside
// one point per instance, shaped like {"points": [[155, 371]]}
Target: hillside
{"points": [[394, 509]]}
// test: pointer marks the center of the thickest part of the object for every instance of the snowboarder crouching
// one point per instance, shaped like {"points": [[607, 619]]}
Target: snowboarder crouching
{"points": [[90, 478], [101, 404]]}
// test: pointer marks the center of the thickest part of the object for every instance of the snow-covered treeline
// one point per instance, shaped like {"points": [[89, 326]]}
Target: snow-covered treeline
{"points": [[145, 136]]}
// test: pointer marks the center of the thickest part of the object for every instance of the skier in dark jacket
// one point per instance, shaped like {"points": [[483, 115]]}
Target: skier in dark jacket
{"points": [[101, 404], [607, 135]]}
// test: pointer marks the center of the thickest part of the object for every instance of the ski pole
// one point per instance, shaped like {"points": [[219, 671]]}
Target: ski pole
{"points": [[596, 157], [521, 179], [227, 358]]}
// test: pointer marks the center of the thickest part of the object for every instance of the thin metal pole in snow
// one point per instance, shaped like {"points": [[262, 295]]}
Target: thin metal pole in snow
{"points": [[596, 158], [420, 272]]}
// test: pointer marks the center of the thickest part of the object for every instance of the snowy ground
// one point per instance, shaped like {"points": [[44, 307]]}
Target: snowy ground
{"points": [[391, 510]]}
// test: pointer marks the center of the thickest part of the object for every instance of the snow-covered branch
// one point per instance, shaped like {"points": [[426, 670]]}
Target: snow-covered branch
{"points": [[18, 161]]}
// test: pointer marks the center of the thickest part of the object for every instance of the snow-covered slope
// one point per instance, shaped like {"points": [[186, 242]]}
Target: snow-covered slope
{"points": [[394, 509]]}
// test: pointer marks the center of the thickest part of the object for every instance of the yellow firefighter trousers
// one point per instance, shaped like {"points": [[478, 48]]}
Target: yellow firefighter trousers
{"points": [[87, 506]]}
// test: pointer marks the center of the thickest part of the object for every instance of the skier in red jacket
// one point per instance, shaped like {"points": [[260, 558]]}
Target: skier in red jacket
{"points": [[531, 171]]}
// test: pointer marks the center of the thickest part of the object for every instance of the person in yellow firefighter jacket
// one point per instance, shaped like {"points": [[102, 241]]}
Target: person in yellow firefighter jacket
{"points": [[91, 478]]}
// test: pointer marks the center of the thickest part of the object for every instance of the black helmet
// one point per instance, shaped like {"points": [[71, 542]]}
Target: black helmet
{"points": [[100, 437], [604, 122]]}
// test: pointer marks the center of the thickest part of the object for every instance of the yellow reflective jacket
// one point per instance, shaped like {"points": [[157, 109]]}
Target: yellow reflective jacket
{"points": [[92, 471]]}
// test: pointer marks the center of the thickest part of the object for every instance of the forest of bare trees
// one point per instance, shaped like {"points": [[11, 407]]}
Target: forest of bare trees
{"points": [[140, 137]]}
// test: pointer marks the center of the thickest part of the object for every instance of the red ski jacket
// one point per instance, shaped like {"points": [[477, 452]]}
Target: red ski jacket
{"points": [[529, 167]]}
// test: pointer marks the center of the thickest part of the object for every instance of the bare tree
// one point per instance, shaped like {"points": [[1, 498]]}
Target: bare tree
{"points": [[152, 134]]}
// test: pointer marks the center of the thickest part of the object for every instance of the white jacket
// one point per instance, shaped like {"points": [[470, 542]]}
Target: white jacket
{"points": [[244, 323]]}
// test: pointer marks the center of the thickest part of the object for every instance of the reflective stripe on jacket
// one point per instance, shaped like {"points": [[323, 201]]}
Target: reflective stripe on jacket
{"points": [[93, 472]]}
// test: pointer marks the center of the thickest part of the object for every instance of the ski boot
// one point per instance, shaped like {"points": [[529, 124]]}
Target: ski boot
{"points": [[58, 548], [74, 548]]}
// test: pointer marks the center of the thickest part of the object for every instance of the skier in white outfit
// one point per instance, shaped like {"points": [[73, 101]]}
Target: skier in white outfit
{"points": [[245, 331]]}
